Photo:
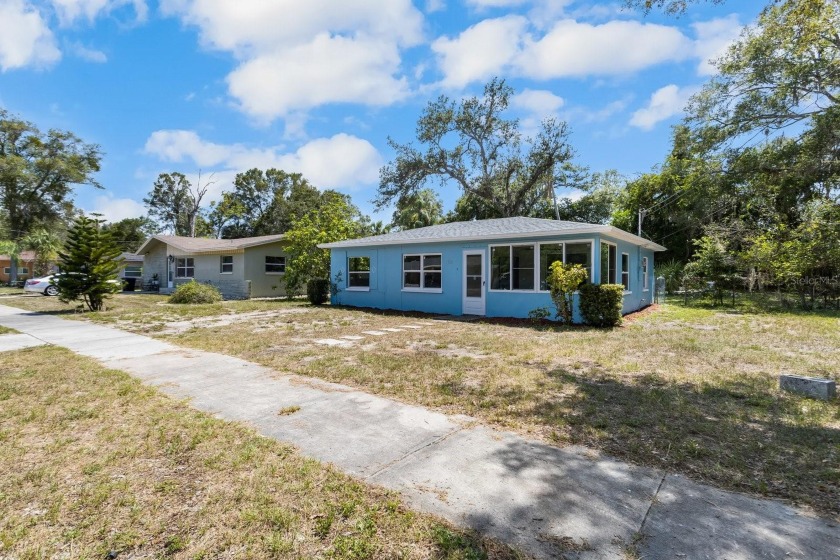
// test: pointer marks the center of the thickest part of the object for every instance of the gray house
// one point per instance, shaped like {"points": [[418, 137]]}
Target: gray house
{"points": [[240, 268]]}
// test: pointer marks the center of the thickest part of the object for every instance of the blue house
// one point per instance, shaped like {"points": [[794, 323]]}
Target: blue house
{"points": [[495, 268]]}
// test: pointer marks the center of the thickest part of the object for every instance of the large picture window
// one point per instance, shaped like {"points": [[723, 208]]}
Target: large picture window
{"points": [[275, 265], [22, 270], [625, 271], [580, 253], [185, 267], [512, 267], [358, 272], [422, 272], [608, 263]]}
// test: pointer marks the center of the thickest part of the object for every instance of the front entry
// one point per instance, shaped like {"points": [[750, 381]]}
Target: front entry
{"points": [[473, 294]]}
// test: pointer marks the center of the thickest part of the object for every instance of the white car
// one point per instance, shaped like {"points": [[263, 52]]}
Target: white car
{"points": [[41, 285], [47, 287]]}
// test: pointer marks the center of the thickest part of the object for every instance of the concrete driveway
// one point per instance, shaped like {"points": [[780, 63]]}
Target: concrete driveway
{"points": [[548, 501]]}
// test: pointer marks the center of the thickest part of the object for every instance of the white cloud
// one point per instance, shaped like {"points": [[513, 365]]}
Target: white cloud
{"points": [[665, 103], [495, 3], [296, 55], [326, 70], [481, 50], [539, 101], [713, 39], [91, 55], [69, 11], [25, 38], [572, 48], [342, 161], [116, 209]]}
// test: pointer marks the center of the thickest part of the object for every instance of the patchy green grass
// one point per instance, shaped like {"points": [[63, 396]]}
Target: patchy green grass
{"points": [[92, 461], [690, 389], [9, 291], [7, 330]]}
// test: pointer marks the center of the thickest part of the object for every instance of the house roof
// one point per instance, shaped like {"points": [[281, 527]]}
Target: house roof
{"points": [[131, 257], [198, 245], [500, 228], [25, 256]]}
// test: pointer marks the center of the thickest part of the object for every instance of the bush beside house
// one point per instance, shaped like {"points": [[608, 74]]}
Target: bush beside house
{"points": [[600, 304], [195, 292]]}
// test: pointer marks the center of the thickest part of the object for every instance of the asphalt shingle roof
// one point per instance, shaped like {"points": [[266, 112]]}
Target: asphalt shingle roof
{"points": [[487, 229], [203, 244]]}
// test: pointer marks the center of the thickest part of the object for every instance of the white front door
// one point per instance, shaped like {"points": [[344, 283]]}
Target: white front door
{"points": [[473, 294]]}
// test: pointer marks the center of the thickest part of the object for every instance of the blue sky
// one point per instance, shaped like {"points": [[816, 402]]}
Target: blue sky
{"points": [[317, 86]]}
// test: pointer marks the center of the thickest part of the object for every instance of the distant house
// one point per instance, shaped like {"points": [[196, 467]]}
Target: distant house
{"points": [[496, 268], [25, 263], [240, 268], [131, 265]]}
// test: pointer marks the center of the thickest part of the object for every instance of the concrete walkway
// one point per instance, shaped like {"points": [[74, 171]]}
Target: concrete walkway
{"points": [[550, 502]]}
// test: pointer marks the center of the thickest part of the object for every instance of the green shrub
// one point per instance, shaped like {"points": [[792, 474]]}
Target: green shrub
{"points": [[563, 280], [195, 292], [539, 314], [318, 290], [600, 304]]}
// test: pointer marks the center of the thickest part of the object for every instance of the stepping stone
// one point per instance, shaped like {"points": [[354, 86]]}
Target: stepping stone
{"points": [[352, 337], [393, 330], [374, 333], [331, 342], [410, 327]]}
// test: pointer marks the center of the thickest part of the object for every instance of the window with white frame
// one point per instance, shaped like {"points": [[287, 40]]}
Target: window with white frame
{"points": [[133, 272], [625, 271], [358, 272], [185, 267], [423, 272], [645, 273], [512, 267], [569, 253], [22, 270], [608, 263], [275, 265], [226, 264]]}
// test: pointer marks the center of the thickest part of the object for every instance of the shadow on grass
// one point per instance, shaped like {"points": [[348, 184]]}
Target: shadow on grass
{"points": [[737, 434]]}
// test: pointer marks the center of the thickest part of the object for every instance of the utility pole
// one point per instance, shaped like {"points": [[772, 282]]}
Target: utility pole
{"points": [[642, 214]]}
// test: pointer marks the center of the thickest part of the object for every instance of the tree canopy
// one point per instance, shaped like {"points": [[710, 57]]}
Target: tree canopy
{"points": [[89, 264], [469, 144]]}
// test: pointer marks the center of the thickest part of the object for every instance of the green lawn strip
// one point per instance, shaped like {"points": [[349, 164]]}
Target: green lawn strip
{"points": [[92, 461], [7, 330]]}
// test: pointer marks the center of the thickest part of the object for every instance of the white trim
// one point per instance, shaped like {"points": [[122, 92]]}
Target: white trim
{"points": [[627, 289], [645, 265], [422, 272], [590, 240], [593, 229], [267, 273], [535, 246], [423, 290], [349, 272], [357, 289], [600, 270]]}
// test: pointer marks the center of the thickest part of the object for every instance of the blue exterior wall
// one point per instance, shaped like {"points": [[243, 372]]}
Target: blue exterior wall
{"points": [[386, 290]]}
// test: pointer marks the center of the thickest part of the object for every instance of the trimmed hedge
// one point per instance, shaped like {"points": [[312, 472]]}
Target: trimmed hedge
{"points": [[318, 291], [195, 292], [600, 304]]}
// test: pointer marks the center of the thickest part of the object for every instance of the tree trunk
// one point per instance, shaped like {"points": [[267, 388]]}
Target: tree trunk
{"points": [[13, 270]]}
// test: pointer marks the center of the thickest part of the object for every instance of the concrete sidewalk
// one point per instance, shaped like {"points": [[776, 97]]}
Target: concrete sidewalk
{"points": [[550, 502]]}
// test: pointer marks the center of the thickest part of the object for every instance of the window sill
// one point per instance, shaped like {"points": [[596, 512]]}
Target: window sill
{"points": [[628, 292], [423, 290], [274, 273], [357, 289], [646, 290], [226, 273], [517, 291]]}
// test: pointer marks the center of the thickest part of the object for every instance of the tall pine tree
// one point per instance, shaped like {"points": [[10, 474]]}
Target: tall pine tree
{"points": [[89, 264]]}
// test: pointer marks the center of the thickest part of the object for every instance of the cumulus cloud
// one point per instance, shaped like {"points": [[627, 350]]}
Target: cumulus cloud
{"points": [[480, 51], [664, 103], [25, 38], [539, 101], [342, 161], [573, 49], [329, 69], [116, 209], [297, 55], [713, 39]]}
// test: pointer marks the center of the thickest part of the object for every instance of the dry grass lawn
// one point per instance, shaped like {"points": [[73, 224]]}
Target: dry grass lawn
{"points": [[92, 464], [692, 390]]}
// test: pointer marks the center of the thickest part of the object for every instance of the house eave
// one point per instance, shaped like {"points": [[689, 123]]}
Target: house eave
{"points": [[606, 230]]}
